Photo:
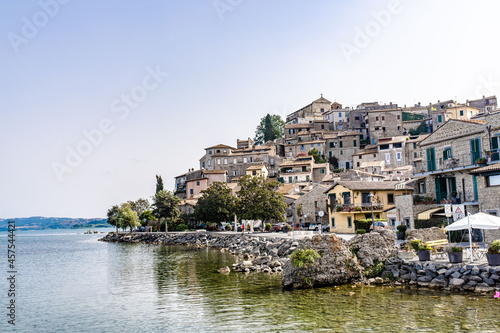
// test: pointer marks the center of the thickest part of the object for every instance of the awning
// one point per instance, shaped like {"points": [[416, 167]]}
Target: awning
{"points": [[425, 215]]}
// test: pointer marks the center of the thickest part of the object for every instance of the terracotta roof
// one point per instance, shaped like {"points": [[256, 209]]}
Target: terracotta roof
{"points": [[305, 125], [365, 185], [220, 146], [285, 188], [214, 171], [256, 167], [486, 169]]}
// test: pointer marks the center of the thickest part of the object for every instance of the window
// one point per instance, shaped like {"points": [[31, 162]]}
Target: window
{"points": [[245, 160], [197, 183], [414, 145], [332, 145], [217, 151], [384, 147], [376, 128], [376, 118], [431, 159], [399, 128], [387, 158], [322, 110], [493, 212], [493, 180], [383, 129], [235, 173], [312, 145], [209, 152], [251, 159], [307, 178], [191, 191], [360, 156], [341, 144], [446, 153], [398, 157], [209, 162], [316, 204], [415, 155], [291, 131], [397, 145], [357, 164], [354, 143], [203, 165], [225, 151], [254, 173], [383, 118], [322, 126], [349, 222], [225, 161], [301, 147], [322, 170], [265, 158], [341, 152], [339, 126], [318, 144], [333, 222], [272, 161], [440, 119], [421, 187], [399, 116], [475, 149], [461, 112], [340, 114], [346, 114], [235, 161], [390, 198], [218, 161], [356, 118], [330, 154]]}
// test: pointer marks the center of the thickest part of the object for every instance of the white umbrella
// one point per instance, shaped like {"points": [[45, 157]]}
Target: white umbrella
{"points": [[476, 221]]}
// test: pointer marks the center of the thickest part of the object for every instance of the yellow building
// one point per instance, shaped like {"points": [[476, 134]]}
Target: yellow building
{"points": [[349, 201]]}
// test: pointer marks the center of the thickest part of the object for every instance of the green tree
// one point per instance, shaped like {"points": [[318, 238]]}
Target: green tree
{"points": [[258, 200], [165, 206], [159, 184], [139, 206], [421, 129], [271, 127], [317, 157], [334, 162], [128, 218], [217, 204], [147, 216], [113, 216]]}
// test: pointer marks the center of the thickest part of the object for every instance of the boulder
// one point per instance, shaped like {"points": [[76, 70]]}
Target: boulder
{"points": [[426, 234], [224, 270], [374, 246], [335, 266]]}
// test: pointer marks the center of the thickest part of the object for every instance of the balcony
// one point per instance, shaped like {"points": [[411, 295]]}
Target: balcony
{"points": [[358, 208], [451, 164]]}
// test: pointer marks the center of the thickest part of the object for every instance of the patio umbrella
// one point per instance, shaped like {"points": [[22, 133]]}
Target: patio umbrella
{"points": [[476, 221]]}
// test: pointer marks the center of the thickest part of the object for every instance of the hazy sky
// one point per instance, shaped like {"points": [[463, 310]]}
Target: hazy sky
{"points": [[97, 97]]}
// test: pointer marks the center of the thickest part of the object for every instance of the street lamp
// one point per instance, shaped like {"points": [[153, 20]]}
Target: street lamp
{"points": [[371, 206]]}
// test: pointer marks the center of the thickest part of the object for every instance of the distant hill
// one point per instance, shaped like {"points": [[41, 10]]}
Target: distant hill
{"points": [[39, 222]]}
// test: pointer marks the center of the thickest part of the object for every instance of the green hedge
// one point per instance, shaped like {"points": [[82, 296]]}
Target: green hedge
{"points": [[438, 222]]}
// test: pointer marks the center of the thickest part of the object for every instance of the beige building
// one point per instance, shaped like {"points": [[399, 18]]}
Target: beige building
{"points": [[310, 113], [458, 112], [257, 171], [206, 178], [349, 201]]}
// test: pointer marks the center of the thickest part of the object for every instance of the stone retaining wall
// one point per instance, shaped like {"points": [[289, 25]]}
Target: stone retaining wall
{"points": [[447, 276]]}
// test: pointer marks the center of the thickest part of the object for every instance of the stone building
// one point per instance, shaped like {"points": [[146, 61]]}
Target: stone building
{"points": [[303, 169], [484, 104], [384, 123], [310, 113], [308, 205], [450, 154], [460, 112], [236, 161], [342, 146]]}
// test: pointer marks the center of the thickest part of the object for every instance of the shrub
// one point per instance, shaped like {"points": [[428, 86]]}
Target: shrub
{"points": [[361, 231], [417, 198], [228, 227], [438, 222], [415, 244], [494, 247], [301, 258], [376, 270], [401, 228], [268, 226], [423, 247], [181, 227], [428, 199]]}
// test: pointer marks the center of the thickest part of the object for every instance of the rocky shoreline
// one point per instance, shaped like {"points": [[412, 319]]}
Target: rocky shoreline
{"points": [[339, 262]]}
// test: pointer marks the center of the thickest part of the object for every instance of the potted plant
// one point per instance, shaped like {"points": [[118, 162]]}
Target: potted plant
{"points": [[481, 160], [455, 254], [424, 252], [401, 231], [493, 254]]}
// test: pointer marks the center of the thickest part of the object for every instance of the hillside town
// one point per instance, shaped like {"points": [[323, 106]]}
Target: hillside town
{"points": [[384, 162]]}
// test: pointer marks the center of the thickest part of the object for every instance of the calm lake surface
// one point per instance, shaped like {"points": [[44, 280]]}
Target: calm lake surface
{"points": [[69, 282]]}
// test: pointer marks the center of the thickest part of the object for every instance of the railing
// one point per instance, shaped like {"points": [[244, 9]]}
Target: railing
{"points": [[493, 155], [360, 207], [456, 161], [457, 198]]}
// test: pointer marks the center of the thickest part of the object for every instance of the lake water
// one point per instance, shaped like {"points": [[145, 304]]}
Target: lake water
{"points": [[69, 282]]}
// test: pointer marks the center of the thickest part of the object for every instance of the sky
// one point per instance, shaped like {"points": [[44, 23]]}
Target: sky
{"points": [[98, 97]]}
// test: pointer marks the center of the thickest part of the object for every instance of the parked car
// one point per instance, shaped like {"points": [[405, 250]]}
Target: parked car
{"points": [[378, 224], [278, 227], [326, 228]]}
